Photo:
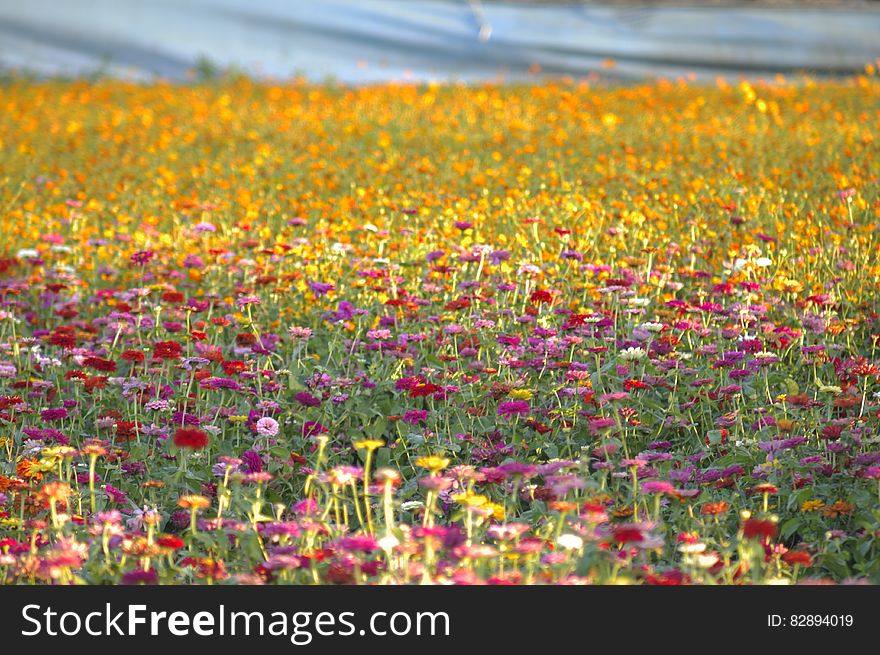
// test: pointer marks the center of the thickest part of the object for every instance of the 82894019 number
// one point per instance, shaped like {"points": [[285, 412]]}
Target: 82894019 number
{"points": [[811, 621]]}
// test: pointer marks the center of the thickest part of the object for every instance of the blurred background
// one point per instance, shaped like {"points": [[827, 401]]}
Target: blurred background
{"points": [[365, 41]]}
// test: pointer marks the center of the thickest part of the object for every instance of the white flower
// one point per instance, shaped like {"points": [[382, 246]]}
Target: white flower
{"points": [[633, 354], [763, 262], [388, 543], [701, 561], [570, 541], [652, 326], [27, 253]]}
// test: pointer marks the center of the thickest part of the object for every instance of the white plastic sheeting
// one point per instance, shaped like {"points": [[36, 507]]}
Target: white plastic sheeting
{"points": [[376, 40]]}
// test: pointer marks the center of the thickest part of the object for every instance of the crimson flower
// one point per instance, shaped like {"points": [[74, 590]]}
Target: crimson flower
{"points": [[190, 438]]}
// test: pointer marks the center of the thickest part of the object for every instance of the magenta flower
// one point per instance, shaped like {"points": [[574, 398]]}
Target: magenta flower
{"points": [[54, 414], [413, 416], [142, 257], [513, 408]]}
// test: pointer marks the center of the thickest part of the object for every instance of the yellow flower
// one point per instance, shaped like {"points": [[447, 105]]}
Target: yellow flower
{"points": [[521, 394], [433, 463], [497, 511], [812, 505], [369, 444], [470, 499], [59, 452]]}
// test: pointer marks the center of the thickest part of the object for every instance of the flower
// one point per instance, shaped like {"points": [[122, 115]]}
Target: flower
{"points": [[369, 444], [632, 354], [193, 501], [433, 462], [570, 541], [142, 257], [513, 408], [267, 427], [300, 333], [191, 438], [753, 528]]}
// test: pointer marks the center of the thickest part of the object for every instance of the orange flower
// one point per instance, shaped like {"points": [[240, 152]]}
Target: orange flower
{"points": [[27, 468], [193, 501], [713, 509], [57, 491]]}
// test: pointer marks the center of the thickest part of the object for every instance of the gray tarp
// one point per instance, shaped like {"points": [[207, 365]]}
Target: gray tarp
{"points": [[375, 40]]}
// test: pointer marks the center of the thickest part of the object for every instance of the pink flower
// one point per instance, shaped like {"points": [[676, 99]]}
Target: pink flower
{"points": [[658, 487], [267, 426], [513, 408]]}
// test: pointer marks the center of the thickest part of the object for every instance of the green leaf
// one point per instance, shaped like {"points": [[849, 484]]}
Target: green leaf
{"points": [[790, 527]]}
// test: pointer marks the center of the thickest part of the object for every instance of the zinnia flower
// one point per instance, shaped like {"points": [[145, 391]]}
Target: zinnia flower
{"points": [[513, 408], [190, 438], [267, 426]]}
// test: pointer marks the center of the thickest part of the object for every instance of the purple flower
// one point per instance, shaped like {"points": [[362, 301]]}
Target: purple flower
{"points": [[138, 577], [413, 416], [359, 543], [115, 495], [321, 288], [313, 428], [872, 473], [142, 257], [251, 461]]}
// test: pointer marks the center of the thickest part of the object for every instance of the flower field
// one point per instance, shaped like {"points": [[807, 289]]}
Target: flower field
{"points": [[549, 334]]}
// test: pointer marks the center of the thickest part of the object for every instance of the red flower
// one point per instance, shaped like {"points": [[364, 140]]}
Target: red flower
{"points": [[422, 390], [233, 366], [100, 364], [540, 295], [797, 557], [170, 541], [167, 350], [126, 430], [832, 432], [190, 438], [132, 356], [63, 336], [625, 534], [759, 528]]}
